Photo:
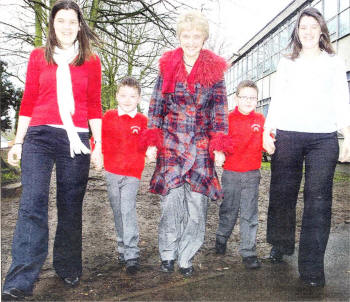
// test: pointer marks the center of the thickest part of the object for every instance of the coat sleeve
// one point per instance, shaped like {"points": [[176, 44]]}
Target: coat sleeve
{"points": [[219, 114], [156, 111]]}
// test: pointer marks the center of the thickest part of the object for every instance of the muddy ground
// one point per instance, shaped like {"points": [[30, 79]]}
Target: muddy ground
{"points": [[103, 278]]}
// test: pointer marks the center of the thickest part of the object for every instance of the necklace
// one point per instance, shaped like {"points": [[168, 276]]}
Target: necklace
{"points": [[188, 65]]}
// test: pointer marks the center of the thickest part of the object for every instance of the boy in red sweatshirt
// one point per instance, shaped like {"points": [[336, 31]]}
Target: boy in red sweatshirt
{"points": [[241, 175], [125, 138]]}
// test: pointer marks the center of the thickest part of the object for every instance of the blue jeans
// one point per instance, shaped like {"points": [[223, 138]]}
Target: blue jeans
{"points": [[43, 147], [319, 152]]}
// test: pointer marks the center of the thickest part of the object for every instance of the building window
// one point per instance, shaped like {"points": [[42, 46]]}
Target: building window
{"points": [[343, 4], [348, 77], [318, 5], [332, 28], [344, 23], [330, 9]]}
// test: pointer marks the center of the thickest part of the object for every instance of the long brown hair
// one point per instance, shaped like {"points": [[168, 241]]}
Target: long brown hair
{"points": [[324, 42], [85, 34]]}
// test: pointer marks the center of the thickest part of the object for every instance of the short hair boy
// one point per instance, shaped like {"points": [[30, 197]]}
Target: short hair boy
{"points": [[241, 176], [125, 138]]}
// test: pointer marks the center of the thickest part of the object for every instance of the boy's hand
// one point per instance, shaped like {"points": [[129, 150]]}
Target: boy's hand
{"points": [[219, 158], [151, 153], [269, 143], [96, 157], [344, 155], [14, 155]]}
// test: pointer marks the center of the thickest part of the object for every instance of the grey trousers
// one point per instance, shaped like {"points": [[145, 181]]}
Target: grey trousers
{"points": [[122, 191], [241, 190], [182, 224]]}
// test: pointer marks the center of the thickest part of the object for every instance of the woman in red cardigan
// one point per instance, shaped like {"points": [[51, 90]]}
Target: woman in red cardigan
{"points": [[61, 96]]}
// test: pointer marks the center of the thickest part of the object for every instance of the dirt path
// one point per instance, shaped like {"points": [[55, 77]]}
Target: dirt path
{"points": [[103, 279]]}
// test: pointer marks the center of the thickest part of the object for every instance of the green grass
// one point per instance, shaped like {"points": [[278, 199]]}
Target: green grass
{"points": [[265, 165], [341, 177], [8, 176]]}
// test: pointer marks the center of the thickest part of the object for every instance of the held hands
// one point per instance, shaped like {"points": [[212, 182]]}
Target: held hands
{"points": [[14, 155], [268, 143], [151, 153], [219, 158], [96, 157], [344, 155]]}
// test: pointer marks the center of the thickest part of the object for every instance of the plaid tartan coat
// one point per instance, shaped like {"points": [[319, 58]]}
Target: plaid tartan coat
{"points": [[189, 110]]}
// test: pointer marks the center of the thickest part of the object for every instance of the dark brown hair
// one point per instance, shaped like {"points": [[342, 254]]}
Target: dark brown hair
{"points": [[131, 82], [85, 34], [246, 83], [324, 43]]}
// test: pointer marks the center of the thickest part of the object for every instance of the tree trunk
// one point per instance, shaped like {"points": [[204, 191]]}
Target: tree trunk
{"points": [[38, 9]]}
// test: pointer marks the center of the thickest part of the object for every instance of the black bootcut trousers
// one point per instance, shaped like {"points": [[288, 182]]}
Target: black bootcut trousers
{"points": [[318, 154]]}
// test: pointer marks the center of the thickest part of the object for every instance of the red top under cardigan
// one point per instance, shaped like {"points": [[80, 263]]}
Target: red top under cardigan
{"points": [[40, 94]]}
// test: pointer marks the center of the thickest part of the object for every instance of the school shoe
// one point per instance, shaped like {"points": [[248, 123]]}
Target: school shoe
{"points": [[313, 281], [220, 248], [251, 262], [276, 256], [132, 266], [167, 266], [71, 281], [13, 294], [187, 272], [121, 259]]}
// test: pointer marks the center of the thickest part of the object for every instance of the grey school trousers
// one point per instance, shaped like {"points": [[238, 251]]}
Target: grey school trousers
{"points": [[182, 224], [241, 190], [122, 191]]}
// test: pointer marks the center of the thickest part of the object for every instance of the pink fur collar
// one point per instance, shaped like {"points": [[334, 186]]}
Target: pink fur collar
{"points": [[208, 70]]}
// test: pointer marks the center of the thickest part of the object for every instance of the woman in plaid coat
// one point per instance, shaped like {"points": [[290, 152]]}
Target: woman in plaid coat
{"points": [[189, 107]]}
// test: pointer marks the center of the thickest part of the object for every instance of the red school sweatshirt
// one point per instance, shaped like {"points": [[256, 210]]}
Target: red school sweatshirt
{"points": [[246, 132], [121, 150]]}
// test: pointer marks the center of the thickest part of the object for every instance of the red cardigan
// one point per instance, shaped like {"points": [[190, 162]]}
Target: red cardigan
{"points": [[245, 132], [121, 135], [40, 94]]}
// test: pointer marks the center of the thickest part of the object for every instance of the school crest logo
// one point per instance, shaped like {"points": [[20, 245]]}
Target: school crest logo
{"points": [[135, 129], [255, 127]]}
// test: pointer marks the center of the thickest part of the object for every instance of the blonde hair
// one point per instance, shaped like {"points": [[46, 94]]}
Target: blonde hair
{"points": [[194, 20]]}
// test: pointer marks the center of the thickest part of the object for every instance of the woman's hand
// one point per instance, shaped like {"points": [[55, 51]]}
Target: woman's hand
{"points": [[96, 157], [344, 155], [14, 155], [151, 153], [269, 142], [219, 158]]}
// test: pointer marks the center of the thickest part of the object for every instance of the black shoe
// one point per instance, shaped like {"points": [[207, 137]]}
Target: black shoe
{"points": [[276, 256], [167, 266], [121, 259], [132, 266], [313, 281], [12, 294], [187, 272], [251, 262], [71, 281], [220, 248]]}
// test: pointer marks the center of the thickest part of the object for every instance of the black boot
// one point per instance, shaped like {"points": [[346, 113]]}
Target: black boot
{"points": [[220, 247], [276, 256], [167, 266]]}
